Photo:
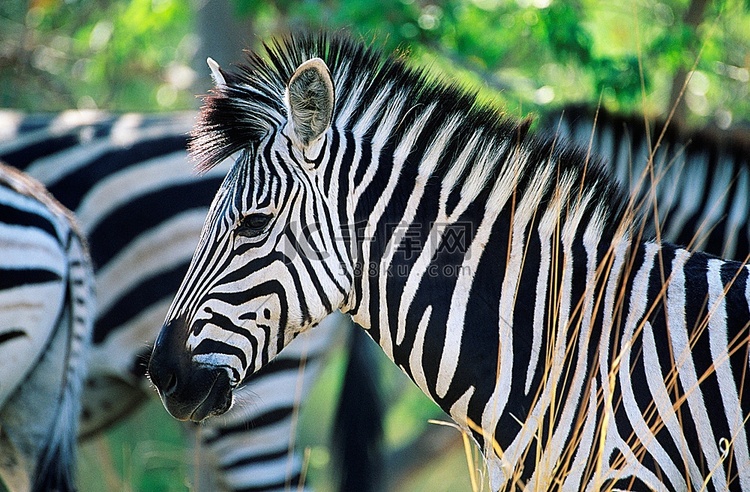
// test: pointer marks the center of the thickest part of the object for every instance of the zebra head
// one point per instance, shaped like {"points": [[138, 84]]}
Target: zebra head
{"points": [[267, 266]]}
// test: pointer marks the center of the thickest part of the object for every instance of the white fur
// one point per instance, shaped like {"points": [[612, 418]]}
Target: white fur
{"points": [[216, 74]]}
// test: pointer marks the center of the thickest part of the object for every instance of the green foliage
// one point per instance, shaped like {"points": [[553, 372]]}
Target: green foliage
{"points": [[131, 55], [528, 54], [566, 37], [541, 53]]}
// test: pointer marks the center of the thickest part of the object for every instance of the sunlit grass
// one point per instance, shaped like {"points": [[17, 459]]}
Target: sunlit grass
{"points": [[146, 452]]}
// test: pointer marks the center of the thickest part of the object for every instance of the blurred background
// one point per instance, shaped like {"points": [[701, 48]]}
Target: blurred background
{"points": [[149, 55], [532, 56]]}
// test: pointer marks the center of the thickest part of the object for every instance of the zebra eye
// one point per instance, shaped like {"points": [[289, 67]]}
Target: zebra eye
{"points": [[253, 225]]}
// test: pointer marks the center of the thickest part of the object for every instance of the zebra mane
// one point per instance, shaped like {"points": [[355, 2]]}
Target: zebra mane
{"points": [[250, 104]]}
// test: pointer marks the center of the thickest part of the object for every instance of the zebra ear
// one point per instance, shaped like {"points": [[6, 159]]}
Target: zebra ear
{"points": [[309, 100], [216, 73]]}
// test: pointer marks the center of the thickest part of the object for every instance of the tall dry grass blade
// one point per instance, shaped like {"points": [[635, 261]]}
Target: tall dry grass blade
{"points": [[106, 463], [299, 388], [470, 461], [305, 468]]}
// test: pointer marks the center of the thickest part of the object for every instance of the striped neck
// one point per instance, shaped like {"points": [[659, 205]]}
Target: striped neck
{"points": [[497, 269], [435, 208], [455, 252]]}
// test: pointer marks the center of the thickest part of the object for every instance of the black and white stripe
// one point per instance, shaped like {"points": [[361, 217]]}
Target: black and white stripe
{"points": [[697, 182], [46, 320], [141, 206], [578, 356]]}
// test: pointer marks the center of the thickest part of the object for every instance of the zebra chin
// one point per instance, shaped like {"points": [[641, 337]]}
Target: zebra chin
{"points": [[189, 391]]}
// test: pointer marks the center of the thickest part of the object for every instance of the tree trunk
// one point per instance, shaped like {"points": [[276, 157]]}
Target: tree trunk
{"points": [[692, 19], [222, 34]]}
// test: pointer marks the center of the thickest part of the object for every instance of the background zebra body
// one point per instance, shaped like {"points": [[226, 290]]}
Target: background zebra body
{"points": [[141, 206], [541, 333], [46, 319], [697, 182]]}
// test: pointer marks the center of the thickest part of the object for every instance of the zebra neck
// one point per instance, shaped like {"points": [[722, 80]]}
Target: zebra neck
{"points": [[447, 245], [570, 322]]}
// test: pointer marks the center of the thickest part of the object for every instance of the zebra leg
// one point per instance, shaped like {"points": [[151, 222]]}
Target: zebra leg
{"points": [[29, 417], [15, 466], [112, 392], [116, 385], [106, 401]]}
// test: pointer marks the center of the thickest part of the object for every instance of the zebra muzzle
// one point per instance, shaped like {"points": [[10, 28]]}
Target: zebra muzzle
{"points": [[188, 391]]}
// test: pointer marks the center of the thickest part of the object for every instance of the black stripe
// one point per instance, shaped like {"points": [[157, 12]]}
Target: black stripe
{"points": [[291, 484], [208, 346], [263, 420], [254, 459], [332, 154], [12, 215], [161, 285], [696, 311], [73, 187], [11, 277], [739, 334], [25, 156], [278, 365], [658, 276], [11, 335]]}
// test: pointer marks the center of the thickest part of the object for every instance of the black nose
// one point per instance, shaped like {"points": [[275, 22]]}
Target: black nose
{"points": [[188, 391]]}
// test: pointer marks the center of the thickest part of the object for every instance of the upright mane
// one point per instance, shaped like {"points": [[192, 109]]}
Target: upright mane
{"points": [[496, 268], [250, 103]]}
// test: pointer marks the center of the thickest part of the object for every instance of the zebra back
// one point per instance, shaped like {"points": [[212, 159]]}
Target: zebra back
{"points": [[690, 186]]}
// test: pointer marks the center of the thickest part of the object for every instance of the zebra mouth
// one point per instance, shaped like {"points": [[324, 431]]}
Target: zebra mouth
{"points": [[190, 402], [217, 400], [188, 390]]}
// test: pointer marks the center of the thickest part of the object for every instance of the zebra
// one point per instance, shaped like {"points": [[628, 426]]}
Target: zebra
{"points": [[46, 319], [141, 206], [502, 271], [695, 186]]}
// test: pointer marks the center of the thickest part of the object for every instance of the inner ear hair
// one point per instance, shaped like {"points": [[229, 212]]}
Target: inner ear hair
{"points": [[310, 97]]}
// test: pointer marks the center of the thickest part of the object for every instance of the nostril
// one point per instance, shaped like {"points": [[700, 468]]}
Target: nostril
{"points": [[163, 376], [170, 386]]}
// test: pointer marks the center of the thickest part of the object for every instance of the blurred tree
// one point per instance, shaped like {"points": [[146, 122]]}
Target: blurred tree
{"points": [[531, 54], [634, 54], [58, 54], [222, 34]]}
